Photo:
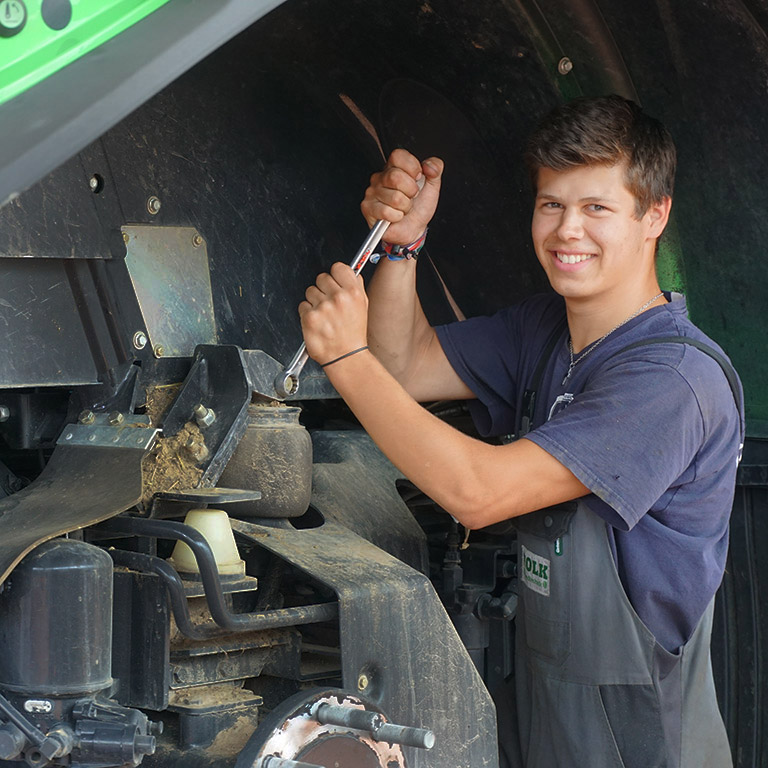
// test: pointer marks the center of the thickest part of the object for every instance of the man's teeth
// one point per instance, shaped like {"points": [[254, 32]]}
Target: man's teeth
{"points": [[573, 258]]}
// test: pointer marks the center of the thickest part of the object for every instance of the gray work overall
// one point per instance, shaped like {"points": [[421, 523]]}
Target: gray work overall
{"points": [[594, 689]]}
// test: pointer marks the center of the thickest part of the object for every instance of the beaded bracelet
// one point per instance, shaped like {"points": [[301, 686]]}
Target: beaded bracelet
{"points": [[401, 252]]}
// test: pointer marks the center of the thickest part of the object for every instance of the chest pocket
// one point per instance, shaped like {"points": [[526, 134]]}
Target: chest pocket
{"points": [[549, 524]]}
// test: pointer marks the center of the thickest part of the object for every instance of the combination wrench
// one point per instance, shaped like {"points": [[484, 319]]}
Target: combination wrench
{"points": [[287, 381]]}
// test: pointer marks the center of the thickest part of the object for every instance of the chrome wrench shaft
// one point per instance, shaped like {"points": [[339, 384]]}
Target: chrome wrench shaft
{"points": [[287, 382]]}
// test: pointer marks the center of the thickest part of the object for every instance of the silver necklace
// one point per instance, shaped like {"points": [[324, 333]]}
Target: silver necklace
{"points": [[574, 361]]}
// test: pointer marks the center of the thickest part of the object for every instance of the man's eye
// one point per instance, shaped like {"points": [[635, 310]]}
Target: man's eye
{"points": [[597, 208], [551, 205]]}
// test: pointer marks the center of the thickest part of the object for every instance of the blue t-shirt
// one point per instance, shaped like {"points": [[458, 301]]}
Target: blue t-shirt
{"points": [[653, 433]]}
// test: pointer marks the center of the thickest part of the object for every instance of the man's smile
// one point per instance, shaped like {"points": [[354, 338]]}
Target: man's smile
{"points": [[573, 258]]}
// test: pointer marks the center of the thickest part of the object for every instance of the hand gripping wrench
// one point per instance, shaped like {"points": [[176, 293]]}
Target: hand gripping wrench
{"points": [[287, 382]]}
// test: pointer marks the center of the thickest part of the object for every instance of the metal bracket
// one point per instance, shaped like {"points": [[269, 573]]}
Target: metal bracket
{"points": [[84, 483], [128, 435]]}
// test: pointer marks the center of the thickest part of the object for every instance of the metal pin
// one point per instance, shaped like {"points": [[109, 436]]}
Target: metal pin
{"points": [[350, 717], [405, 736], [374, 723]]}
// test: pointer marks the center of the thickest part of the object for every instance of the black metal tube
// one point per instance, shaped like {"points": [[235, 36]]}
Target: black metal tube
{"points": [[137, 561], [209, 575]]}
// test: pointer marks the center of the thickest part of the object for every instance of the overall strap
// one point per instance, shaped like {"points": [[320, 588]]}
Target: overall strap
{"points": [[525, 417], [727, 368]]}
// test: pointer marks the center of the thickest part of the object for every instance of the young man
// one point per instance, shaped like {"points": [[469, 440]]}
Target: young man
{"points": [[612, 649]]}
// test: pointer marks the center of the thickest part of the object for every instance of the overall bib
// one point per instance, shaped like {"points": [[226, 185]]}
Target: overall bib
{"points": [[593, 687]]}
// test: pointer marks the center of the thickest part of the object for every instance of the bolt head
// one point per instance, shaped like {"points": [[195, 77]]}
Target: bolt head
{"points": [[197, 450], [93, 183], [204, 416], [362, 682], [5, 413], [153, 205], [159, 351], [564, 66], [86, 417], [197, 240], [116, 418], [126, 237], [140, 339]]}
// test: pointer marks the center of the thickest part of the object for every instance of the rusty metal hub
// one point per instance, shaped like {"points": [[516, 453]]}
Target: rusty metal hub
{"points": [[294, 732]]}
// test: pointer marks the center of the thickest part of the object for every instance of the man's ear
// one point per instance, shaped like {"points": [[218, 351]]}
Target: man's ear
{"points": [[658, 216]]}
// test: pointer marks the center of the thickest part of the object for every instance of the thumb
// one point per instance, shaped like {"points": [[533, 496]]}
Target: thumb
{"points": [[433, 168], [425, 203]]}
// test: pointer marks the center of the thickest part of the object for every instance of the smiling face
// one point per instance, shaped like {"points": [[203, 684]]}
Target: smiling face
{"points": [[588, 239]]}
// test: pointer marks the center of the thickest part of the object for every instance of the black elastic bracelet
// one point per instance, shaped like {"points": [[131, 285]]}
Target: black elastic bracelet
{"points": [[349, 354]]}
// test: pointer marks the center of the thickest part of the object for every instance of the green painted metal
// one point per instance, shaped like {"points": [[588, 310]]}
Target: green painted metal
{"points": [[669, 260], [36, 51]]}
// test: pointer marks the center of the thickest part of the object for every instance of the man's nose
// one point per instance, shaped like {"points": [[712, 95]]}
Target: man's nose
{"points": [[571, 226]]}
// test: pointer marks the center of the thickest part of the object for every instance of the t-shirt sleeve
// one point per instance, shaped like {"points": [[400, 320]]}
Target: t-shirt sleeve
{"points": [[629, 436], [489, 353], [484, 353]]}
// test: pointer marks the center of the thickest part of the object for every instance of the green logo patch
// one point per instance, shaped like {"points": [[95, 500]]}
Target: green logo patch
{"points": [[535, 571]]}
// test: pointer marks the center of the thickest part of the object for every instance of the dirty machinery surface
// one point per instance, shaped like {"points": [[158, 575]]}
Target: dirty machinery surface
{"points": [[200, 571]]}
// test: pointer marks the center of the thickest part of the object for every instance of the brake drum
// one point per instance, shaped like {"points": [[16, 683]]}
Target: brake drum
{"points": [[293, 732]]}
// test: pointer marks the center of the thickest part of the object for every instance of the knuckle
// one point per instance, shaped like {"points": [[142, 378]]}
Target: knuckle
{"points": [[401, 201]]}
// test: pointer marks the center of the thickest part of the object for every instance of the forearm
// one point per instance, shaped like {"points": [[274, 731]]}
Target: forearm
{"points": [[433, 455], [478, 483], [398, 330]]}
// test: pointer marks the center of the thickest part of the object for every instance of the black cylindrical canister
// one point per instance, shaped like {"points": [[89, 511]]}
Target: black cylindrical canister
{"points": [[56, 621], [274, 457]]}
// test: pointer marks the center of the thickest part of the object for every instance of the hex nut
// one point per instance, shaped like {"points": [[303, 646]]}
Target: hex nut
{"points": [[197, 240], [140, 339], [116, 418], [204, 416], [126, 237], [362, 681], [564, 66], [86, 417], [153, 204], [159, 351]]}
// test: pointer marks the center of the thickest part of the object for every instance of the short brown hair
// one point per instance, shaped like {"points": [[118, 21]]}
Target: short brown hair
{"points": [[605, 131]]}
